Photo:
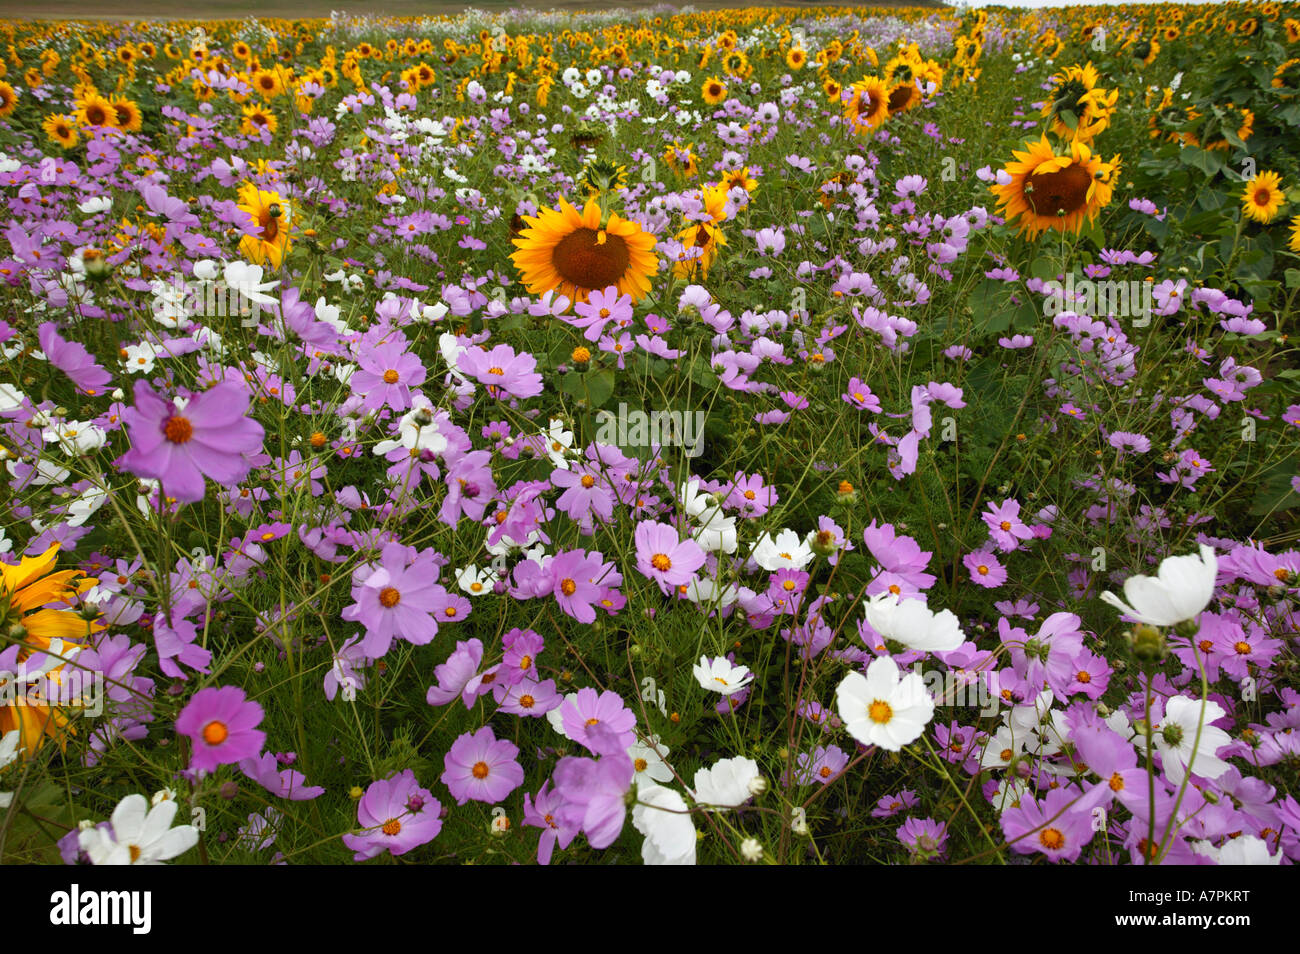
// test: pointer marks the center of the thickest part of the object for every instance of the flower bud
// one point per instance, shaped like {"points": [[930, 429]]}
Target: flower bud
{"points": [[1148, 644]]}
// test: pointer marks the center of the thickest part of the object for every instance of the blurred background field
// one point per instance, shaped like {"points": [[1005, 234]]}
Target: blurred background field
{"points": [[290, 9]]}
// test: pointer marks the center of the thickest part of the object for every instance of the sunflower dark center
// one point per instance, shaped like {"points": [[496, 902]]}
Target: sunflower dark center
{"points": [[582, 259], [901, 97], [1058, 193], [270, 225]]}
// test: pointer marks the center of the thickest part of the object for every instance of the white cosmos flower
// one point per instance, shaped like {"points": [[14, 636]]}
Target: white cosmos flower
{"points": [[100, 203], [451, 350], [246, 279], [726, 784], [139, 835], [787, 551], [648, 761], [1242, 850], [1176, 741], [84, 506], [912, 623], [706, 592], [558, 441], [8, 752], [721, 676], [1181, 588], [662, 816], [475, 581], [882, 709], [76, 437], [716, 532]]}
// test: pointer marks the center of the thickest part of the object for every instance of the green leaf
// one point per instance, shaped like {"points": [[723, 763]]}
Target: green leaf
{"points": [[599, 385]]}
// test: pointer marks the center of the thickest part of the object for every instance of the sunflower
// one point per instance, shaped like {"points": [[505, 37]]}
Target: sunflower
{"points": [[1077, 107], [903, 97], [129, 117], [257, 118], [705, 236], [738, 178], [61, 129], [1048, 191], [270, 213], [682, 159], [1242, 119], [94, 110], [1294, 244], [267, 82], [736, 63], [1146, 51], [1263, 197], [832, 89], [868, 105], [600, 176], [797, 58], [8, 99], [570, 252], [1292, 30], [27, 591], [1287, 76], [714, 91]]}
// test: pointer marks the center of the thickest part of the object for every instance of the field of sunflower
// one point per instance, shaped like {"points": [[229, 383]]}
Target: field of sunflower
{"points": [[773, 435]]}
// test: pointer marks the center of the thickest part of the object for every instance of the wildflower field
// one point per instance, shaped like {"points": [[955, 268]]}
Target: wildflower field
{"points": [[763, 436]]}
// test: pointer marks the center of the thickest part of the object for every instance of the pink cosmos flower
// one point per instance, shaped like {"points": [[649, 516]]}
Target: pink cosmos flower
{"points": [[283, 783], [1059, 826], [985, 569], [662, 556], [385, 376], [396, 600], [182, 441], [543, 813], [860, 396], [586, 710], [577, 578], [72, 359], [482, 767], [601, 308], [503, 372], [1005, 526], [395, 815], [455, 674], [222, 726]]}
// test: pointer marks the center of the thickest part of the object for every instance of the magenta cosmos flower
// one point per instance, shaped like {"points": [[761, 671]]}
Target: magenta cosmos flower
{"points": [[586, 709], [222, 726], [181, 441], [482, 767], [395, 815], [661, 555], [72, 359], [396, 600], [503, 371]]}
